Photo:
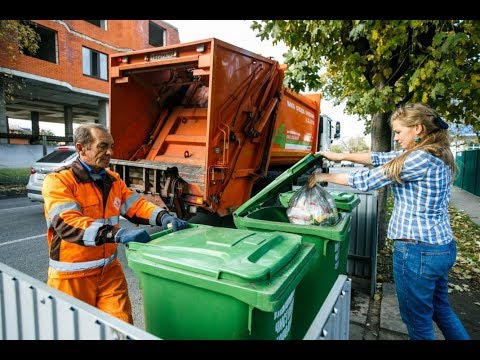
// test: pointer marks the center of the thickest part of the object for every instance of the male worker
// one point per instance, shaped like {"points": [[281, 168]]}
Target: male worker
{"points": [[83, 204]]}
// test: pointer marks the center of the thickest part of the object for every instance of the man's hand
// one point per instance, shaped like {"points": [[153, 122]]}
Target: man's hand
{"points": [[169, 221], [124, 236]]}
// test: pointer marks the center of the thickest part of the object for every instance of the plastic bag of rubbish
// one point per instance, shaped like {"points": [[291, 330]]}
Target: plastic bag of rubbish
{"points": [[312, 206]]}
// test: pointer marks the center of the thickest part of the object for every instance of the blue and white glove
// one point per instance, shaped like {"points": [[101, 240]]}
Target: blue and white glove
{"points": [[171, 222], [124, 236]]}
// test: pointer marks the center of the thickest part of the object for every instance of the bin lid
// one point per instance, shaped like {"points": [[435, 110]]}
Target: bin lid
{"points": [[288, 177], [259, 268]]}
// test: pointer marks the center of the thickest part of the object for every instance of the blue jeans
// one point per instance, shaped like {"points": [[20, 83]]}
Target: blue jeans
{"points": [[420, 272]]}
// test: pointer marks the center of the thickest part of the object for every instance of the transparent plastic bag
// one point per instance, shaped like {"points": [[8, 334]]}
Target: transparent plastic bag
{"points": [[312, 206]]}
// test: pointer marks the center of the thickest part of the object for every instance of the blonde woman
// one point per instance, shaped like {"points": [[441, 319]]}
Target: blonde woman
{"points": [[421, 175]]}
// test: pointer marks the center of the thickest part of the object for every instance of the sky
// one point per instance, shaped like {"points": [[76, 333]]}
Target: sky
{"points": [[237, 32]]}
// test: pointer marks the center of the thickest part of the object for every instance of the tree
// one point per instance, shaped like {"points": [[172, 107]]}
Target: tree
{"points": [[376, 65], [16, 36], [48, 133], [350, 144], [463, 137], [357, 144], [336, 148]]}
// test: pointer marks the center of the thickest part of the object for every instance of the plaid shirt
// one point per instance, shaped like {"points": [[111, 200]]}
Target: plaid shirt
{"points": [[421, 202]]}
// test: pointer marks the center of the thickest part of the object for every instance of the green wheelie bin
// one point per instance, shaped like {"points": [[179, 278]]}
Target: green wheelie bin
{"points": [[261, 214], [212, 283]]}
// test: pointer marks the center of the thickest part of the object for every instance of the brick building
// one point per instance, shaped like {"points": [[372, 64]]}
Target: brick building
{"points": [[66, 80]]}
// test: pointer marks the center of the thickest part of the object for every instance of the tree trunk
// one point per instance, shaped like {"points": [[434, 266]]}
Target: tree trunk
{"points": [[381, 141]]}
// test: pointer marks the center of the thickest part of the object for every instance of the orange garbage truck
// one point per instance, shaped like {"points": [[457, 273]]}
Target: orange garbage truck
{"points": [[199, 123]]}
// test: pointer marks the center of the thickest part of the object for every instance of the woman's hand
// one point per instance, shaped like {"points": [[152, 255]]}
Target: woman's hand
{"points": [[315, 178], [329, 155], [337, 178]]}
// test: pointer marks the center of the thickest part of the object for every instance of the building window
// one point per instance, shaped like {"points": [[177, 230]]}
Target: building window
{"points": [[156, 34], [47, 45], [100, 23], [94, 63]]}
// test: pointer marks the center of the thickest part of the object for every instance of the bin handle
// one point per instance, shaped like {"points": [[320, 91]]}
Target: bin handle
{"points": [[325, 246], [277, 262], [250, 319], [272, 262]]}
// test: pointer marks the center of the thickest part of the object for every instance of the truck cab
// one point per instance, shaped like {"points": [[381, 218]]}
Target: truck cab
{"points": [[329, 131]]}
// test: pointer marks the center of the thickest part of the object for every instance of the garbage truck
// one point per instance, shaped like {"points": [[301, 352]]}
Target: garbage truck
{"points": [[198, 124]]}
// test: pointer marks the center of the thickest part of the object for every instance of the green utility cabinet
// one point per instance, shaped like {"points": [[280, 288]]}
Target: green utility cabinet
{"points": [[468, 174], [212, 283], [331, 242]]}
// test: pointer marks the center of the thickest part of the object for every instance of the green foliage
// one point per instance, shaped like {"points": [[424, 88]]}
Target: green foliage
{"points": [[14, 176], [351, 145], [375, 65], [16, 36], [357, 144], [336, 148], [48, 133]]}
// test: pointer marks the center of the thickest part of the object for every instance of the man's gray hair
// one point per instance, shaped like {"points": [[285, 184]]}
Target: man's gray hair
{"points": [[83, 134]]}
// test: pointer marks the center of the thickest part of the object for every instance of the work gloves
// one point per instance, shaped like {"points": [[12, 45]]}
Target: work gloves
{"points": [[124, 236], [171, 222], [167, 221]]}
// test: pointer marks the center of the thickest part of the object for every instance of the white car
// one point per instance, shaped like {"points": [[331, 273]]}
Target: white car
{"points": [[347, 163], [61, 156]]}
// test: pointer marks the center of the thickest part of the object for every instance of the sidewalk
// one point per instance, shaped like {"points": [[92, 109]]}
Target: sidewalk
{"points": [[463, 200], [379, 318]]}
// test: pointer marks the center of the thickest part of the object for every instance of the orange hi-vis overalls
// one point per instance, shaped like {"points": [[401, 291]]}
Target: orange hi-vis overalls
{"points": [[82, 220]]}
